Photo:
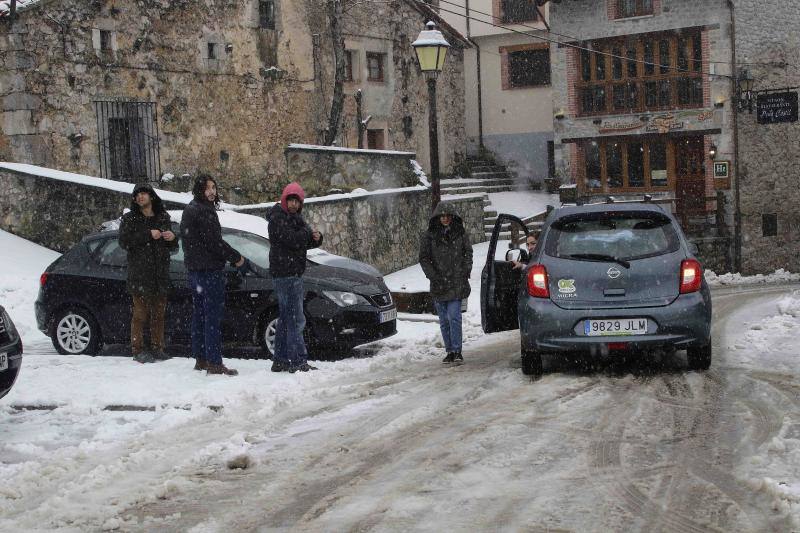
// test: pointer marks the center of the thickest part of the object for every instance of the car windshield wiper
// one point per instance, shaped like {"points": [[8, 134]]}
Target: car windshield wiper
{"points": [[601, 257]]}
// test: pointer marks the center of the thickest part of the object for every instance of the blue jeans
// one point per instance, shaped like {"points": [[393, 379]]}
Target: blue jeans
{"points": [[208, 306], [290, 348], [450, 323]]}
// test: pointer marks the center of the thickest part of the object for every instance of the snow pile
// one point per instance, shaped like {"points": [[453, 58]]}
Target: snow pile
{"points": [[779, 276], [19, 281], [522, 204], [770, 341]]}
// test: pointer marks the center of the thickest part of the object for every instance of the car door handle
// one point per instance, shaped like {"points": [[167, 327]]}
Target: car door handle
{"points": [[614, 292]]}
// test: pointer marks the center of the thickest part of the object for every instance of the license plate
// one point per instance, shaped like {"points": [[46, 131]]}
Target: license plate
{"points": [[616, 326], [3, 361], [386, 316]]}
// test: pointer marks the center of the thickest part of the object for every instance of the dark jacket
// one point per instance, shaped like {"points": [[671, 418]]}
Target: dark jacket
{"points": [[203, 247], [148, 258], [289, 236], [445, 255]]}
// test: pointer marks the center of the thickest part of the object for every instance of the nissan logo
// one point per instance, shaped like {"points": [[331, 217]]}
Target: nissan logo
{"points": [[613, 273]]}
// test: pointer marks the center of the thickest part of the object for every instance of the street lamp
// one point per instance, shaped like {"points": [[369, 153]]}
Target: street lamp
{"points": [[744, 89], [431, 49]]}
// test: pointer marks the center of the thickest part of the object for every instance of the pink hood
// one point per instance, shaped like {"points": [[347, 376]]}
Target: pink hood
{"points": [[293, 189]]}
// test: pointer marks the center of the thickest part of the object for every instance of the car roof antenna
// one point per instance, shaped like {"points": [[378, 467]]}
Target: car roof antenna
{"points": [[648, 198], [609, 199]]}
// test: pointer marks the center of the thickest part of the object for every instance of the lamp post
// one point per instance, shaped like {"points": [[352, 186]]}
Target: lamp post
{"points": [[431, 49]]}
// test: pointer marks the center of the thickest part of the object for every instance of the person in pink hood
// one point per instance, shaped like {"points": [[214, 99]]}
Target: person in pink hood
{"points": [[290, 237]]}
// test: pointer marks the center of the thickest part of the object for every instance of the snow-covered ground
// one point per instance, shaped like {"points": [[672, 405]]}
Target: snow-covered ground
{"points": [[522, 204], [93, 458]]}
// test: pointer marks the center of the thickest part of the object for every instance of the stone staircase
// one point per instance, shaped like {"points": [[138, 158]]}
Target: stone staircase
{"points": [[486, 177]]}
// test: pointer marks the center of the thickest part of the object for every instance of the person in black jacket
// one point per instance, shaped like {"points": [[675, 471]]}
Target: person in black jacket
{"points": [[146, 234], [206, 254], [445, 255], [290, 237]]}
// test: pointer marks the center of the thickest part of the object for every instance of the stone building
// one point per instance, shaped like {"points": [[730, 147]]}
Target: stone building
{"points": [[648, 99], [133, 90], [508, 90]]}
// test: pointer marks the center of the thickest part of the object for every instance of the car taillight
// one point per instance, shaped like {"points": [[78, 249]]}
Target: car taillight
{"points": [[691, 275], [43, 279], [537, 282]]}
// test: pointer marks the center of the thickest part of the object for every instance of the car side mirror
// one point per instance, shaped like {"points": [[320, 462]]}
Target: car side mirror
{"points": [[514, 255]]}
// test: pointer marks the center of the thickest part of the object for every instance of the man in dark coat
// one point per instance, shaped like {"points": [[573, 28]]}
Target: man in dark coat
{"points": [[146, 234], [206, 254], [445, 255], [290, 237]]}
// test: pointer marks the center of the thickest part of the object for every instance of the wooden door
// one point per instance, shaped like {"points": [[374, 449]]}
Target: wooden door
{"points": [[690, 179]]}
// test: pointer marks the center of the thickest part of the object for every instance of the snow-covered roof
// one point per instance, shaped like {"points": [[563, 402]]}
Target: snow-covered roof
{"points": [[91, 181], [5, 5], [347, 150]]}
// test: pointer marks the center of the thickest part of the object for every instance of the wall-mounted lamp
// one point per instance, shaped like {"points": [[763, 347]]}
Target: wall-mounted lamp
{"points": [[712, 151], [744, 90], [560, 114], [719, 104]]}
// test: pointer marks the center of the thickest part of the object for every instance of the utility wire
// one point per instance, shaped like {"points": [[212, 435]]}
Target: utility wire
{"points": [[572, 45]]}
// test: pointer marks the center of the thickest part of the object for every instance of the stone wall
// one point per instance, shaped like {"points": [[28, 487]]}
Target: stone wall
{"points": [[380, 228], [384, 228], [57, 214], [769, 155], [321, 168], [231, 115]]}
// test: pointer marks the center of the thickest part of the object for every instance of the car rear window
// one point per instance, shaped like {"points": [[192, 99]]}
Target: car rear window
{"points": [[622, 235]]}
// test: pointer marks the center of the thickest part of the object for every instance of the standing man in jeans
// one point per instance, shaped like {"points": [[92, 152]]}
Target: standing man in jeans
{"points": [[205, 255], [290, 237], [445, 255], [146, 234]]}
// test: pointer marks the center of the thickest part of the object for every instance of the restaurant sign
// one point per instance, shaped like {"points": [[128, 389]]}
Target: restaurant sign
{"points": [[774, 108], [662, 123]]}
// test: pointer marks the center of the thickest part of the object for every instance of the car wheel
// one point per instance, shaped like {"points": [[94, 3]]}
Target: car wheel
{"points": [[74, 332], [699, 357], [266, 334], [531, 363]]}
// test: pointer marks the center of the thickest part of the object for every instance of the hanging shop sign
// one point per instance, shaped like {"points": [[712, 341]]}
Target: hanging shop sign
{"points": [[662, 123], [774, 108]]}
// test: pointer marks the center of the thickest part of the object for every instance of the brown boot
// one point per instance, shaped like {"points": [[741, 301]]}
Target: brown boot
{"points": [[200, 364], [221, 369]]}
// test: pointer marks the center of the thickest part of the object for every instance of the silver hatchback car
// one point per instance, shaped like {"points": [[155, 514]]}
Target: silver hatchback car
{"points": [[602, 279]]}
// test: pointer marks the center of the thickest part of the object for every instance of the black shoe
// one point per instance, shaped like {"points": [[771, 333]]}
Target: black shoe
{"points": [[144, 357], [449, 358], [458, 358], [221, 370], [305, 367], [279, 366], [159, 355]]}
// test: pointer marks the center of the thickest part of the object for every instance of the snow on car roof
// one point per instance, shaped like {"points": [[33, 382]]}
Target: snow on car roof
{"points": [[233, 220], [250, 223]]}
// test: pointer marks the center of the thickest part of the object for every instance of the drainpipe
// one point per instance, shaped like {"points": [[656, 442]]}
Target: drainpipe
{"points": [[480, 89], [737, 217]]}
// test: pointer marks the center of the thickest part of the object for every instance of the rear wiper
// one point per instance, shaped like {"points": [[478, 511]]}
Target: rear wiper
{"points": [[601, 257]]}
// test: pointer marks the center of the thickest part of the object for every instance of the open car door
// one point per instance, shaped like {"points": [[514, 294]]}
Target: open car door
{"points": [[500, 282]]}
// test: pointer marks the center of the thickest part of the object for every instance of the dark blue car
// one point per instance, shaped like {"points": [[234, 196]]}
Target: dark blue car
{"points": [[10, 353]]}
